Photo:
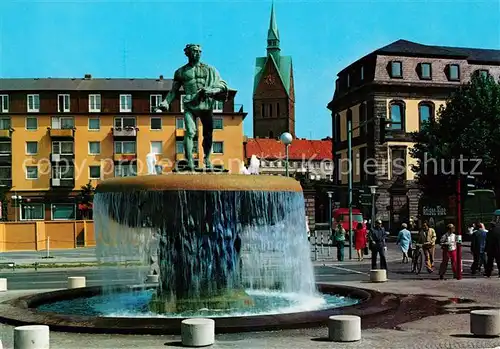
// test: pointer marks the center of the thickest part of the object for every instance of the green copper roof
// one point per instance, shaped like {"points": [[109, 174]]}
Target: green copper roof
{"points": [[284, 69]]}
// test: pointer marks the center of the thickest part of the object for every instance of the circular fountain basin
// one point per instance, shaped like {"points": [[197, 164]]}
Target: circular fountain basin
{"points": [[91, 310]]}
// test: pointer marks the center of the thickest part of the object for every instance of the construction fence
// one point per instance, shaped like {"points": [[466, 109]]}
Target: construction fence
{"points": [[38, 235]]}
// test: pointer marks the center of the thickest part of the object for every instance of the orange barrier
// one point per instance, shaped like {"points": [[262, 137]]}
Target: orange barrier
{"points": [[34, 235]]}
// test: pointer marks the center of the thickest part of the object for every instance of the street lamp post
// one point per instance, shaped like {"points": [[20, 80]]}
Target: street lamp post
{"points": [[330, 212], [349, 180], [373, 190], [16, 198], [287, 139]]}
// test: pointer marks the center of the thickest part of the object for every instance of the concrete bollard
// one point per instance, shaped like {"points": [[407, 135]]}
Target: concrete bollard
{"points": [[32, 337], [76, 281], [485, 323], [152, 279], [3, 285], [198, 332], [378, 275], [344, 328]]}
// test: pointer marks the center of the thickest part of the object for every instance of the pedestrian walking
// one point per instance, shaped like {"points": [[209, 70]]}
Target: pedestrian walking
{"points": [[478, 242], [492, 249], [377, 242], [339, 241], [448, 244], [360, 240], [427, 238], [404, 241]]}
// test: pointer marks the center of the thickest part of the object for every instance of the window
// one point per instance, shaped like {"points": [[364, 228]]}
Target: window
{"points": [[218, 147], [362, 73], [270, 112], [32, 211], [5, 148], [454, 72], [63, 172], [218, 106], [5, 123], [363, 168], [363, 126], [396, 69], [179, 147], [125, 103], [94, 124], [425, 112], [155, 123], [129, 170], [125, 147], [63, 212], [4, 103], [398, 162], [179, 123], [95, 172], [31, 148], [278, 109], [62, 147], [154, 101], [337, 128], [33, 103], [94, 148], [218, 124], [31, 172], [156, 147], [63, 103], [181, 103], [63, 122], [94, 103], [396, 116], [348, 80], [31, 123], [263, 110], [125, 122], [425, 71]]}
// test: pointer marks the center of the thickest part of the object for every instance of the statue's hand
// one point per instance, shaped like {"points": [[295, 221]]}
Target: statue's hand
{"points": [[163, 106]]}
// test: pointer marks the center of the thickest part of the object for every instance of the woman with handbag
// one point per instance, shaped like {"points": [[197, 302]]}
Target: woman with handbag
{"points": [[404, 241], [360, 241]]}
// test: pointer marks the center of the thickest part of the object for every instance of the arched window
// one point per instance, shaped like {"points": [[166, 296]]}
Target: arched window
{"points": [[397, 115], [425, 113]]}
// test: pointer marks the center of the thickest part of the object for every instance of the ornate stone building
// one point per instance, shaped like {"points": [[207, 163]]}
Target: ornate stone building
{"points": [[404, 82]]}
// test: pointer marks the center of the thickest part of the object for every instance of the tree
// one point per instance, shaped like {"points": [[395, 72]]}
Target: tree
{"points": [[86, 196], [465, 133]]}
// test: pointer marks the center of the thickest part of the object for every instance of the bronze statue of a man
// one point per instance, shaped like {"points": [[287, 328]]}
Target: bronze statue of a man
{"points": [[202, 88]]}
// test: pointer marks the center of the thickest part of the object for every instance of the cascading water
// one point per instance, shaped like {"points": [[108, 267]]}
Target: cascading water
{"points": [[209, 243]]}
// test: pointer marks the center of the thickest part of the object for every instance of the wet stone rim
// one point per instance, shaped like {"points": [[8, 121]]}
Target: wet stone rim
{"points": [[22, 311]]}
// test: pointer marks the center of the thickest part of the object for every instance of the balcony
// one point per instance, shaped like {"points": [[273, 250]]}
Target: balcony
{"points": [[6, 134], [61, 132], [127, 131], [6, 158], [6, 182], [179, 132], [124, 157], [67, 158], [62, 183]]}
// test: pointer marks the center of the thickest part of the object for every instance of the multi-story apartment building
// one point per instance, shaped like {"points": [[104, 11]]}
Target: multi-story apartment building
{"points": [[404, 82], [56, 135]]}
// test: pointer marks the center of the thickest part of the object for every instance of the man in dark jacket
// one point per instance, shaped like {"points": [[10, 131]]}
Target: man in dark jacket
{"points": [[477, 245], [492, 249], [377, 238]]}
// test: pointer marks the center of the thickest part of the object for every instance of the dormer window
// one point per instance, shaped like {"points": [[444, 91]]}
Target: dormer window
{"points": [[348, 80], [396, 69], [425, 71], [454, 72], [362, 73]]}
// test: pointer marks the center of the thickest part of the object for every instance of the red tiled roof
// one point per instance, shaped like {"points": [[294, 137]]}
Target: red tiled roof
{"points": [[298, 150]]}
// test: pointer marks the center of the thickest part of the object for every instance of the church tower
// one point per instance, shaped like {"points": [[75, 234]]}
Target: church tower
{"points": [[273, 90]]}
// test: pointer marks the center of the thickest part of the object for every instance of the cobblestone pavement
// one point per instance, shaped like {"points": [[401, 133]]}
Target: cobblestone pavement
{"points": [[437, 332]]}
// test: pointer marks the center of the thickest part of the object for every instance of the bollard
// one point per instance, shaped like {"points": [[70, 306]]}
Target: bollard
{"points": [[76, 281], [378, 275], [32, 337], [3, 284], [344, 328], [198, 332], [485, 323], [152, 279]]}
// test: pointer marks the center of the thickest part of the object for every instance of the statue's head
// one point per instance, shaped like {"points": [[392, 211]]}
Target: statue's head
{"points": [[193, 52]]}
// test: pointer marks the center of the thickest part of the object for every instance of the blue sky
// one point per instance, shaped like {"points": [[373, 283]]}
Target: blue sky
{"points": [[146, 39]]}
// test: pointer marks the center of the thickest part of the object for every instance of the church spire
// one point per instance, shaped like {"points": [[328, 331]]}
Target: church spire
{"points": [[273, 36]]}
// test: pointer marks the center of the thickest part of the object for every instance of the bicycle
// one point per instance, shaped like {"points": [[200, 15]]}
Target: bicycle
{"points": [[417, 259]]}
